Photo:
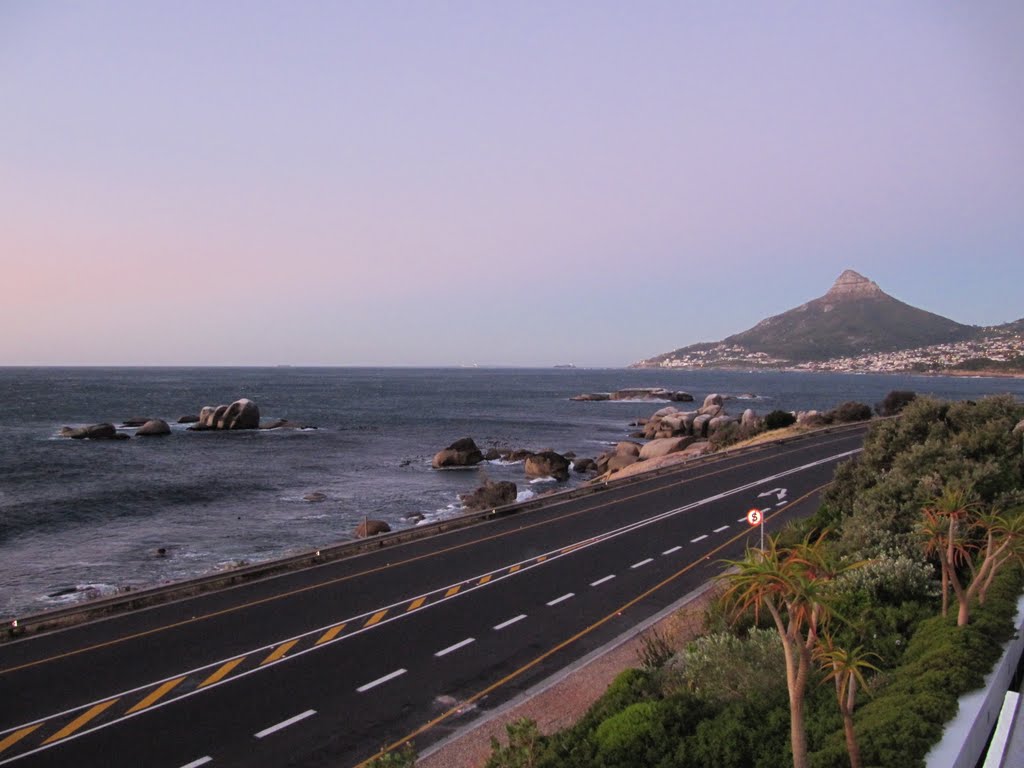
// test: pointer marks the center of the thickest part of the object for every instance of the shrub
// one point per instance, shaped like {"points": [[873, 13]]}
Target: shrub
{"points": [[723, 667], [779, 420], [849, 411], [894, 402]]}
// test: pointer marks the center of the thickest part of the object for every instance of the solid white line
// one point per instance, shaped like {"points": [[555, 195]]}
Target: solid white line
{"points": [[609, 577], [642, 562], [670, 551], [694, 541], [379, 680], [285, 723], [782, 504], [719, 530], [742, 520], [455, 647], [510, 622], [197, 763], [563, 598]]}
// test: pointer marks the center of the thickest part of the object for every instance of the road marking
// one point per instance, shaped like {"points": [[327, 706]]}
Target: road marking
{"points": [[285, 723], [742, 519], [510, 622], [699, 538], [81, 720], [642, 563], [514, 568], [381, 680], [17, 736], [221, 673], [450, 648], [609, 577], [156, 695], [542, 558], [453, 591], [563, 598], [331, 633], [719, 530], [375, 618], [484, 580], [197, 763], [782, 504], [417, 603], [670, 551], [279, 652]]}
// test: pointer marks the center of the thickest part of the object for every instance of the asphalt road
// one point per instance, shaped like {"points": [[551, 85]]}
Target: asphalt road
{"points": [[327, 665]]}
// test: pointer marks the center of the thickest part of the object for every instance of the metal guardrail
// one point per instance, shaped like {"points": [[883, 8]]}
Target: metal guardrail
{"points": [[166, 593]]}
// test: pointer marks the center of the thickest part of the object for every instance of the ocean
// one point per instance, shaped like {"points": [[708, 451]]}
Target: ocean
{"points": [[80, 519]]}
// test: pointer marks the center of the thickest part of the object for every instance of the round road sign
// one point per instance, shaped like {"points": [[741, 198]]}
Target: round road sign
{"points": [[754, 517]]}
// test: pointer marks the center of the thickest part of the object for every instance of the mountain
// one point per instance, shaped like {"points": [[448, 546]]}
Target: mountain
{"points": [[855, 317]]}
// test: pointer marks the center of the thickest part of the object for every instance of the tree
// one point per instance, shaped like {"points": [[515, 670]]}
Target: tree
{"points": [[846, 669], [789, 584], [942, 533]]}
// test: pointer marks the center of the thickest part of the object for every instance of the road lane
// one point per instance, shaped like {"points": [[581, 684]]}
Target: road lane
{"points": [[573, 572]]}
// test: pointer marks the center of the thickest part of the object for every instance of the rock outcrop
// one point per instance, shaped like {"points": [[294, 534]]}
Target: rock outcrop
{"points": [[104, 431], [663, 446], [371, 528], [153, 428], [241, 414], [547, 464], [461, 453], [489, 495], [636, 393]]}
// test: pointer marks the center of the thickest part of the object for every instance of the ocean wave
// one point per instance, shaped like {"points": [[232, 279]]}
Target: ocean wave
{"points": [[505, 462], [539, 480], [79, 593]]}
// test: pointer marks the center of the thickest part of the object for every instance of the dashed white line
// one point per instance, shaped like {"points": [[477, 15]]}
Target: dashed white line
{"points": [[450, 648], [699, 538], [719, 530], [283, 724], [563, 598], [742, 520], [670, 551], [197, 763], [380, 680], [642, 563], [782, 504], [609, 577], [510, 622]]}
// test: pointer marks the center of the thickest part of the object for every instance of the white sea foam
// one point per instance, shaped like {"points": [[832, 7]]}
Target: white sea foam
{"points": [[525, 495], [505, 462], [543, 480]]}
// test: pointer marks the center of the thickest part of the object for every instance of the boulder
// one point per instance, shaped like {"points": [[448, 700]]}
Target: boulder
{"points": [[810, 418], [547, 464], [104, 431], [461, 453], [371, 528], [489, 495], [135, 421], [153, 428], [285, 424], [206, 415], [697, 449], [750, 420], [188, 419], [664, 446], [700, 425], [620, 461], [588, 397], [717, 422], [711, 401], [519, 454], [1019, 429], [627, 448], [584, 465], [241, 414], [315, 496]]}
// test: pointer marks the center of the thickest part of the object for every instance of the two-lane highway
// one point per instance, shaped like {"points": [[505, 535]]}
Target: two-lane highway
{"points": [[326, 665]]}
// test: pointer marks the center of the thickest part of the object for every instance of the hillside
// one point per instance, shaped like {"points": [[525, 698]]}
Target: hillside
{"points": [[855, 317]]}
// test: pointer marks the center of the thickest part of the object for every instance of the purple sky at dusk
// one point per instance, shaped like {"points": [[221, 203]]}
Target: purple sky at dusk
{"points": [[383, 183]]}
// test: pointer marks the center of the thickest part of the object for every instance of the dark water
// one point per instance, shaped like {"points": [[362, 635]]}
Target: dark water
{"points": [[79, 518]]}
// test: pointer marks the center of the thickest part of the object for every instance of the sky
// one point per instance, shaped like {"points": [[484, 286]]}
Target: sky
{"points": [[520, 183]]}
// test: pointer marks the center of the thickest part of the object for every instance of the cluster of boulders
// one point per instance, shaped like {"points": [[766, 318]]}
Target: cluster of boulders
{"points": [[701, 423], [637, 393], [241, 414], [465, 453]]}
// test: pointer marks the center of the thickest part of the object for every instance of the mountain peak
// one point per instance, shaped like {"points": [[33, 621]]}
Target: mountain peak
{"points": [[853, 285]]}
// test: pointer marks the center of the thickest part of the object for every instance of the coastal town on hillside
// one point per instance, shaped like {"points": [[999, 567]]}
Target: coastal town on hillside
{"points": [[995, 350]]}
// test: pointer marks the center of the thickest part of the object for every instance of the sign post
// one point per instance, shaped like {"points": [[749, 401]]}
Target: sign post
{"points": [[756, 517]]}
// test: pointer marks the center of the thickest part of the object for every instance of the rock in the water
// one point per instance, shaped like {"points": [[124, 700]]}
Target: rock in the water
{"points": [[461, 453], [315, 496], [372, 528], [547, 464], [285, 424], [489, 495], [135, 421], [584, 465], [153, 428], [592, 397], [241, 414], [664, 446], [192, 419], [104, 431], [710, 401]]}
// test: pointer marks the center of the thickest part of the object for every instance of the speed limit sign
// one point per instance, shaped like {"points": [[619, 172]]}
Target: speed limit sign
{"points": [[754, 517]]}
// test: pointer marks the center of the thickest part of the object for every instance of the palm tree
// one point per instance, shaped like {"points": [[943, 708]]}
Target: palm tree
{"points": [[788, 584], [846, 669], [943, 535]]}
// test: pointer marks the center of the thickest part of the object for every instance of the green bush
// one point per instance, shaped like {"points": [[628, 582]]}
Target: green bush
{"points": [[849, 411], [779, 420]]}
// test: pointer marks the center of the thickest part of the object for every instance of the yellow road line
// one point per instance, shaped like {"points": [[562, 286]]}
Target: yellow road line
{"points": [[223, 672], [418, 602], [330, 634], [278, 652], [17, 736], [453, 591], [542, 558], [156, 695], [514, 568], [460, 707], [485, 579], [376, 617], [81, 720], [757, 457]]}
